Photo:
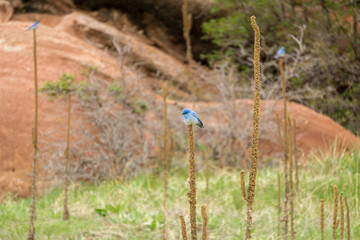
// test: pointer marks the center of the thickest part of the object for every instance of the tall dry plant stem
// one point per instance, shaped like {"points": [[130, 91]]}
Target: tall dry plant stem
{"points": [[347, 219], [187, 22], [67, 181], [279, 202], [242, 184], [206, 173], [165, 159], [295, 157], [172, 147], [160, 153], [205, 222], [285, 127], [183, 227], [278, 124], [342, 217], [291, 194], [335, 221], [31, 235], [356, 189], [322, 218], [192, 182], [255, 131]]}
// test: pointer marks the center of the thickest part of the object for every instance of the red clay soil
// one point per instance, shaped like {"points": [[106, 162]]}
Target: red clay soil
{"points": [[60, 52]]}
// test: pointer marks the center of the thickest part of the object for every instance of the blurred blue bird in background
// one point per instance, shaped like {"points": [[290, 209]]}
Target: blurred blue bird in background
{"points": [[190, 118], [34, 26], [280, 53]]}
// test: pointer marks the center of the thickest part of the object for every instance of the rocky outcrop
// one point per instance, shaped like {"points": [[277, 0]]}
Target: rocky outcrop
{"points": [[6, 11]]}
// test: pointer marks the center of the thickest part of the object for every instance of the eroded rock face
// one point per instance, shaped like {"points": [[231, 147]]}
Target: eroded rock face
{"points": [[150, 14], [6, 11]]}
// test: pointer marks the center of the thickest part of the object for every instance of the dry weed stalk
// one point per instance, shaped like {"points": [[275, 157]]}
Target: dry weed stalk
{"points": [[342, 219], [322, 218], [172, 147], [165, 160], [335, 221], [160, 153], [183, 227], [295, 157], [278, 124], [187, 22], [67, 181], [347, 219], [192, 182], [285, 127], [291, 193], [279, 202], [207, 172], [255, 130], [31, 235], [205, 218], [242, 184]]}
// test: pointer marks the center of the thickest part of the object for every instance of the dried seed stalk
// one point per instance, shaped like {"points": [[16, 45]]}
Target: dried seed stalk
{"points": [[67, 181], [291, 193], [242, 184], [205, 218], [31, 235], [278, 124], [286, 180], [183, 227], [295, 157], [342, 219], [322, 218], [192, 182], [347, 219], [172, 146], [255, 131], [335, 221], [165, 160], [207, 172], [279, 202]]}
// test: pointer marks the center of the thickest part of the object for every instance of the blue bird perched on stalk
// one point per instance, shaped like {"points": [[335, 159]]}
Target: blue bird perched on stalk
{"points": [[191, 118], [34, 26], [280, 53]]}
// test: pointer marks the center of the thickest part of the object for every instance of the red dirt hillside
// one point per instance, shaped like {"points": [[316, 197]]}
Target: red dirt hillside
{"points": [[63, 47]]}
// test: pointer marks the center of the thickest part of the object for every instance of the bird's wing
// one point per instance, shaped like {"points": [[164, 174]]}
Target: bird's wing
{"points": [[201, 124]]}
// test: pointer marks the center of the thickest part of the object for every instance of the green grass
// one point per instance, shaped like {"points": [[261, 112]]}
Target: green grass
{"points": [[133, 209]]}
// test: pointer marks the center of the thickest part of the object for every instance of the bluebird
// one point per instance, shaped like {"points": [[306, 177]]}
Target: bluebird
{"points": [[34, 26], [190, 118], [280, 53]]}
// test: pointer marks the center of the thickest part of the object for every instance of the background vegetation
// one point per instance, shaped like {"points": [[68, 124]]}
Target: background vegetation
{"points": [[131, 209], [322, 46]]}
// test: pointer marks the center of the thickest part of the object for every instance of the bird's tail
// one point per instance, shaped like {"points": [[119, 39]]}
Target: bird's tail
{"points": [[200, 124]]}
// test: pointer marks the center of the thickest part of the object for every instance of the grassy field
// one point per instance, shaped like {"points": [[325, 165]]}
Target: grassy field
{"points": [[133, 209]]}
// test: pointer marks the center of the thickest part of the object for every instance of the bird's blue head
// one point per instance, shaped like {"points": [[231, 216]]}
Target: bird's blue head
{"points": [[186, 111], [282, 49]]}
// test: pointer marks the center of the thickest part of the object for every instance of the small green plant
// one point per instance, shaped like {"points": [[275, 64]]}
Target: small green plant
{"points": [[138, 106], [59, 88], [63, 87], [116, 89], [108, 209]]}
